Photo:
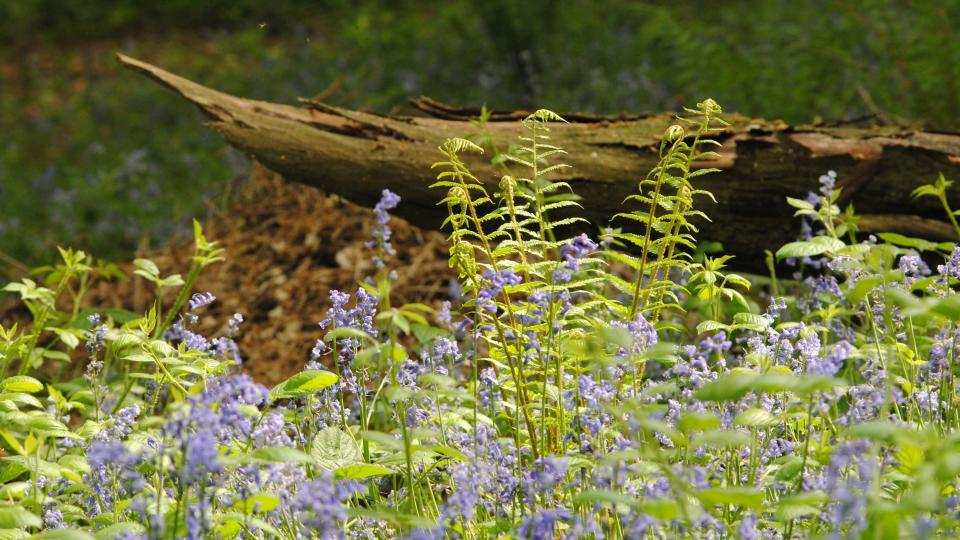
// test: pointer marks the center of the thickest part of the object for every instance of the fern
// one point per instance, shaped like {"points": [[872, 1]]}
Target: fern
{"points": [[667, 193]]}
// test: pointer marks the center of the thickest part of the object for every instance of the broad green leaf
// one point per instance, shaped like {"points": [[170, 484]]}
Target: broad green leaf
{"points": [[393, 518], [333, 448], [21, 383], [113, 531], [604, 496], [736, 495], [360, 471], [347, 332], [883, 431], [728, 387], [751, 321], [905, 241], [810, 248], [281, 454], [65, 534], [698, 421], [789, 469], [709, 326], [260, 503], [303, 384], [949, 307], [721, 438], [755, 417], [15, 517]]}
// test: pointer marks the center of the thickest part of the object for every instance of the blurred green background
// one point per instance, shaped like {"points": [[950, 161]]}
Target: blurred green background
{"points": [[97, 157]]}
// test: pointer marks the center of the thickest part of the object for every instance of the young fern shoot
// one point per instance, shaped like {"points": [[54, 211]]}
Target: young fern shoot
{"points": [[667, 193]]}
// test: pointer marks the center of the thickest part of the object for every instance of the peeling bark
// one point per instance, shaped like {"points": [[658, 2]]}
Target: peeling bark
{"points": [[357, 154]]}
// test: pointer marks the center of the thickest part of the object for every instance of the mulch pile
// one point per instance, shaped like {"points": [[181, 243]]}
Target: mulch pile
{"points": [[287, 246]]}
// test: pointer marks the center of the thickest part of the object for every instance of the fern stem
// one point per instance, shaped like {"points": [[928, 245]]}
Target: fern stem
{"points": [[645, 249], [514, 363]]}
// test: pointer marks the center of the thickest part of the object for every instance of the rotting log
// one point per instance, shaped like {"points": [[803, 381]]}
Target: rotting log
{"points": [[356, 155]]}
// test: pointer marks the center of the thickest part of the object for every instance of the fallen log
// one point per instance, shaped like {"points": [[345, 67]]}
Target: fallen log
{"points": [[357, 154]]}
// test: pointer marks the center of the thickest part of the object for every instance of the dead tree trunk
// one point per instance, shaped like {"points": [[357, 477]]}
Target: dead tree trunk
{"points": [[356, 155]]}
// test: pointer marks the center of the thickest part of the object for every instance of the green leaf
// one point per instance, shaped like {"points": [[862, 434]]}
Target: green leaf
{"points": [[882, 431], [721, 438], [810, 248], [698, 421], [604, 496], [393, 518], [260, 503], [281, 454], [113, 531], [304, 384], [728, 387], [348, 332], [360, 471], [21, 383], [333, 449], [709, 326], [949, 307], [801, 385], [755, 417], [904, 241], [735, 495], [751, 321], [15, 517], [65, 534], [799, 505], [147, 269], [789, 469]]}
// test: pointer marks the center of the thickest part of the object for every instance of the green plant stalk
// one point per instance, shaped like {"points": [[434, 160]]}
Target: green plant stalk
{"points": [[408, 454], [645, 249], [671, 247], [942, 195], [40, 323], [195, 268], [546, 234], [515, 366]]}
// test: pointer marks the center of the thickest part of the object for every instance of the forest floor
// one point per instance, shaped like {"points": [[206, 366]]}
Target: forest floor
{"points": [[286, 246]]}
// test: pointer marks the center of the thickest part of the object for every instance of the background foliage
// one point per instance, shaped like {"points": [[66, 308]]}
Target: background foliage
{"points": [[95, 157]]}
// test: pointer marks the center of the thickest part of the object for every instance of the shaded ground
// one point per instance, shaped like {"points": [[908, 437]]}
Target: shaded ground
{"points": [[286, 246]]}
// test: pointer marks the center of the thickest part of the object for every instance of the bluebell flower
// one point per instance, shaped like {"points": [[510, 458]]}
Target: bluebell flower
{"points": [[777, 306], [913, 266], [109, 461], [233, 325], [951, 269], [462, 503], [53, 518], [202, 457], [747, 530], [200, 300], [547, 473], [486, 296], [542, 524], [573, 251], [489, 390], [272, 430], [828, 183], [97, 335], [382, 233], [831, 363], [319, 504], [118, 426]]}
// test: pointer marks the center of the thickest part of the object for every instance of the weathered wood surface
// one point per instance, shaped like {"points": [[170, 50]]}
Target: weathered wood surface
{"points": [[357, 154]]}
